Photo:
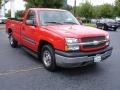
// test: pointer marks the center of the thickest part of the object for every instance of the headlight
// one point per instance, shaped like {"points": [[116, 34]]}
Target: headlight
{"points": [[71, 44], [71, 40]]}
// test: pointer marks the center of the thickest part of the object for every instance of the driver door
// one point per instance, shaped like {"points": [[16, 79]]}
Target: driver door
{"points": [[28, 32]]}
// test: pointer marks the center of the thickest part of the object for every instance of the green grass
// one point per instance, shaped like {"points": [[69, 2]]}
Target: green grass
{"points": [[90, 24]]}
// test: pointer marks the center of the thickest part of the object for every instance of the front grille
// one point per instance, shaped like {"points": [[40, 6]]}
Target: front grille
{"points": [[94, 46], [92, 39]]}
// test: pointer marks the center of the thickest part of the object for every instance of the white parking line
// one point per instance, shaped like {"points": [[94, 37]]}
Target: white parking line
{"points": [[20, 70]]}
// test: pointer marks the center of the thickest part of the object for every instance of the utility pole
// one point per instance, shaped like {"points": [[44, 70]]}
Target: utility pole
{"points": [[75, 7], [65, 4]]}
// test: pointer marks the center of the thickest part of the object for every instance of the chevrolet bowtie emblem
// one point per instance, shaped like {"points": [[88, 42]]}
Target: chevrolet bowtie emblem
{"points": [[95, 42]]}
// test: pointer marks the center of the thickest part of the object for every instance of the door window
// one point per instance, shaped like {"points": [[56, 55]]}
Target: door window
{"points": [[31, 15]]}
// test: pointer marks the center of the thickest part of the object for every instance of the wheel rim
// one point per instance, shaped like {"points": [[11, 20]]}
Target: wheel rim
{"points": [[47, 58], [11, 40]]}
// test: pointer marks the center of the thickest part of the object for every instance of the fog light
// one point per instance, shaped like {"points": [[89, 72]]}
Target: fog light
{"points": [[72, 48]]}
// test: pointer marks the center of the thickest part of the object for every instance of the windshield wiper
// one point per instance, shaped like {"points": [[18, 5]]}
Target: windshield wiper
{"points": [[70, 23], [54, 22]]}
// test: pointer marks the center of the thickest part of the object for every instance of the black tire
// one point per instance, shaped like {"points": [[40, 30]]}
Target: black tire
{"points": [[115, 29], [97, 26], [12, 41], [105, 28], [48, 52]]}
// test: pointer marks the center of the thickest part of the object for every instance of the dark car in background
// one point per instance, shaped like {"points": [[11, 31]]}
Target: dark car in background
{"points": [[107, 24]]}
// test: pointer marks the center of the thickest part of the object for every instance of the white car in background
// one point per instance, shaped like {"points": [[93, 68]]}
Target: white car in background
{"points": [[2, 20], [118, 20]]}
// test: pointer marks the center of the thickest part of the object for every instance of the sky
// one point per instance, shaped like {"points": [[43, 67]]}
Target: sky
{"points": [[19, 4], [94, 2]]}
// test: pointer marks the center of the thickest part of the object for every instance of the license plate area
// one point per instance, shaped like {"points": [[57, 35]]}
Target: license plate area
{"points": [[97, 58]]}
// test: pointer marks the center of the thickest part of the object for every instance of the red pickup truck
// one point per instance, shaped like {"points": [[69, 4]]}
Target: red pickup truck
{"points": [[58, 39]]}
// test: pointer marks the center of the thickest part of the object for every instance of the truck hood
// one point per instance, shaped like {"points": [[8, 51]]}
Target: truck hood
{"points": [[76, 31]]}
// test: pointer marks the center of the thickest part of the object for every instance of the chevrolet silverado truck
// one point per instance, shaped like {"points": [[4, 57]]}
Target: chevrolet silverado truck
{"points": [[58, 39]]}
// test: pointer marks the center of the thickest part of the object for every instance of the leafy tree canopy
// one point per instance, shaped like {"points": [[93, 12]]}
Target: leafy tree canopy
{"points": [[85, 10], [106, 11], [44, 3], [0, 3]]}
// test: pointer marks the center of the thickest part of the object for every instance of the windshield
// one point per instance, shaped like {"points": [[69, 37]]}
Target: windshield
{"points": [[53, 17], [107, 20]]}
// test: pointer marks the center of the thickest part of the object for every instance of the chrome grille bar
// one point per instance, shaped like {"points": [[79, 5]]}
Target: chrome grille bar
{"points": [[89, 43]]}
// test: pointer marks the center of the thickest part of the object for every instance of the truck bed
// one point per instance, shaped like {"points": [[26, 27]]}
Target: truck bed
{"points": [[15, 25]]}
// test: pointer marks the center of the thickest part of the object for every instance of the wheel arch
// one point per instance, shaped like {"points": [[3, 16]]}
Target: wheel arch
{"points": [[44, 42], [9, 30]]}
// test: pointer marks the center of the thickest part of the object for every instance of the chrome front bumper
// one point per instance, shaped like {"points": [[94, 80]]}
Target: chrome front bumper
{"points": [[82, 59]]}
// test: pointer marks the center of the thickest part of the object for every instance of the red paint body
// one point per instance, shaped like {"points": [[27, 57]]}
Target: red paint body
{"points": [[54, 34]]}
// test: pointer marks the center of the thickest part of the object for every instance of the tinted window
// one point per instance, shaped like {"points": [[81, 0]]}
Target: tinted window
{"points": [[31, 15]]}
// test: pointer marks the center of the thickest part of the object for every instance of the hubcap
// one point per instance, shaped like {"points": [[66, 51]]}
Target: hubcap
{"points": [[11, 40], [47, 58]]}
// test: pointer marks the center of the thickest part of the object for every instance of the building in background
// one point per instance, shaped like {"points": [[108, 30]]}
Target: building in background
{"points": [[12, 5], [3, 9]]}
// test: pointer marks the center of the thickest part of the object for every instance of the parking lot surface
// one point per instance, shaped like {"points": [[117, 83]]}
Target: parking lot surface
{"points": [[21, 71]]}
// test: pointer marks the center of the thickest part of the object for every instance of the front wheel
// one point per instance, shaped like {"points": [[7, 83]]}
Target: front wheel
{"points": [[12, 41], [115, 29], [104, 27], [48, 58]]}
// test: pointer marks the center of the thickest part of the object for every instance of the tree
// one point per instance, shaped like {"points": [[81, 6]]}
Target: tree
{"points": [[117, 8], [69, 8], [96, 11], [0, 3], [44, 3], [8, 14], [19, 14], [85, 10], [106, 11]]}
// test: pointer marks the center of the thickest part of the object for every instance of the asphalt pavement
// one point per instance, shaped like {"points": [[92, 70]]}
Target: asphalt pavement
{"points": [[21, 71]]}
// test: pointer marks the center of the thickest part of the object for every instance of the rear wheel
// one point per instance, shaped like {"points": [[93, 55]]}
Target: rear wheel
{"points": [[48, 58], [12, 41]]}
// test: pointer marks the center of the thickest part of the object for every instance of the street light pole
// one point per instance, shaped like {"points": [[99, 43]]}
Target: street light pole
{"points": [[74, 7]]}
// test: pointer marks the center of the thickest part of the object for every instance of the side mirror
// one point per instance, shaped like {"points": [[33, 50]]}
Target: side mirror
{"points": [[31, 22]]}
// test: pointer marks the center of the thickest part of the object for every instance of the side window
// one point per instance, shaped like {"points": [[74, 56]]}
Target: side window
{"points": [[31, 15], [31, 18]]}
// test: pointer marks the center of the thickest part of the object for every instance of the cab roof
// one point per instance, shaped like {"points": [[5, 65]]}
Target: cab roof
{"points": [[36, 9]]}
